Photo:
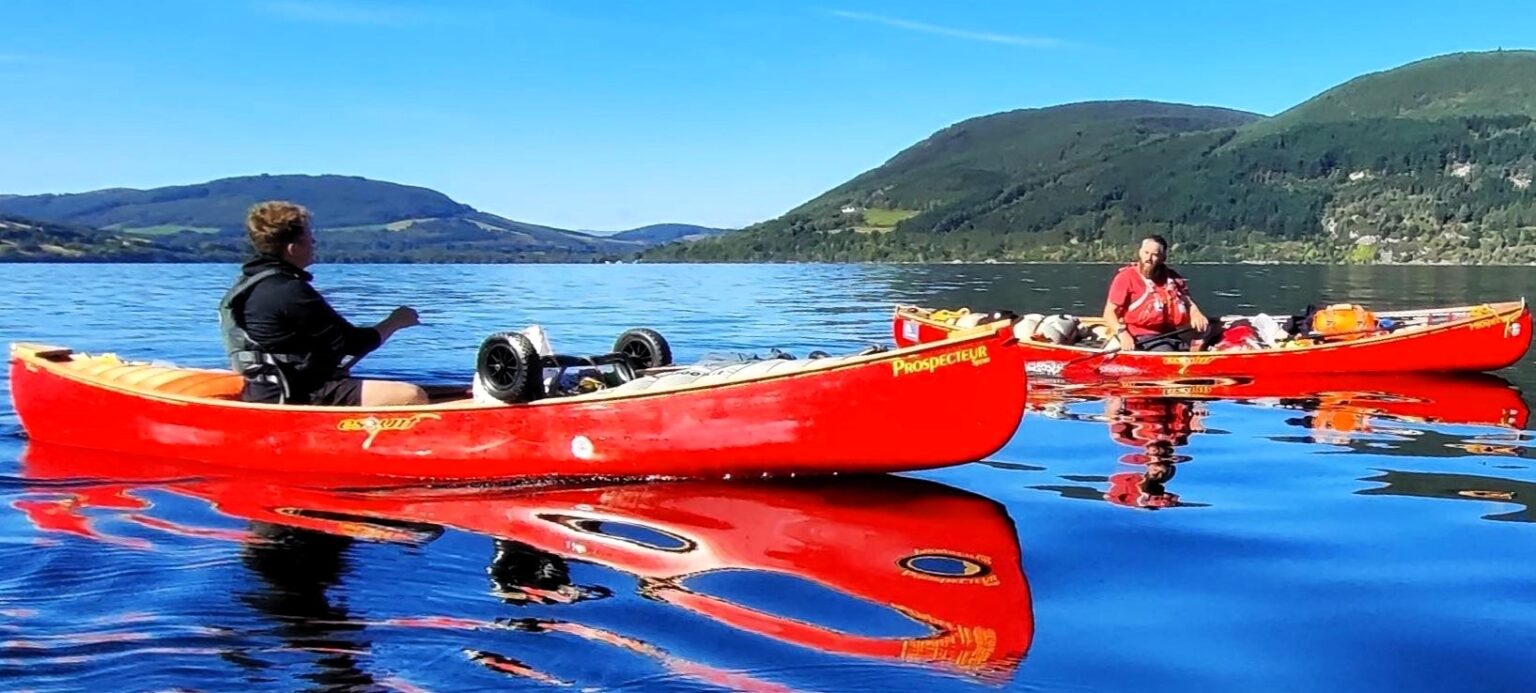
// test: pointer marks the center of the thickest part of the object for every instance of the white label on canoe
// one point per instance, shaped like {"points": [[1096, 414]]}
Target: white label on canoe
{"points": [[581, 447], [1514, 329], [909, 329], [1044, 367]]}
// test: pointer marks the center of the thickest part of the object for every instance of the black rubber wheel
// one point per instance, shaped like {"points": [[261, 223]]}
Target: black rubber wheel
{"points": [[508, 366], [646, 347]]}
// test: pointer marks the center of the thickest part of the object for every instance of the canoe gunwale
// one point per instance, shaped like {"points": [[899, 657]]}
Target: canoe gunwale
{"points": [[49, 358], [1506, 311]]}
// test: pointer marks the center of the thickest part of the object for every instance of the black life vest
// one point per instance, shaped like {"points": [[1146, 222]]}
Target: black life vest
{"points": [[246, 356]]}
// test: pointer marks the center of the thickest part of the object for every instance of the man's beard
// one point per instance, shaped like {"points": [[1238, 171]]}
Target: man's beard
{"points": [[1150, 270]]}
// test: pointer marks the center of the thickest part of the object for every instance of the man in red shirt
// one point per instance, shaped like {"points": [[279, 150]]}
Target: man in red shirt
{"points": [[1149, 307]]}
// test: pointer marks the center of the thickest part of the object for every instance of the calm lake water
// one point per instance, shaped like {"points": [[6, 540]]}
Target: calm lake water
{"points": [[1340, 535]]}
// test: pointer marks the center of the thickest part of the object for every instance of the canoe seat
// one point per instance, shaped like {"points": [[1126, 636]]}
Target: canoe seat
{"points": [[108, 369], [736, 372]]}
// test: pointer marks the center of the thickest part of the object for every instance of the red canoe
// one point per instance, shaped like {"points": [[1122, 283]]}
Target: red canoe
{"points": [[874, 540], [838, 414], [1462, 339]]}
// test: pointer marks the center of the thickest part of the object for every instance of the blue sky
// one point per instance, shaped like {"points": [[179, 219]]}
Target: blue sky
{"points": [[609, 115]]}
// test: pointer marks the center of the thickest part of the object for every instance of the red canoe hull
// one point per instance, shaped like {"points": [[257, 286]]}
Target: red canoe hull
{"points": [[854, 417], [1484, 343]]}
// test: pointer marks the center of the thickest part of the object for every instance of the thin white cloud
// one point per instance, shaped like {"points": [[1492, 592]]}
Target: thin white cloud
{"points": [[986, 36], [338, 12]]}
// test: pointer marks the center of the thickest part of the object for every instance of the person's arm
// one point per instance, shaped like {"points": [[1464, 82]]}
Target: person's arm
{"points": [[1197, 319], [1117, 331], [1113, 306], [329, 329]]}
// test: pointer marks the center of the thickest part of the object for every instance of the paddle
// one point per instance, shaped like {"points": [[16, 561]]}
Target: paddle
{"points": [[1056, 369], [346, 366]]}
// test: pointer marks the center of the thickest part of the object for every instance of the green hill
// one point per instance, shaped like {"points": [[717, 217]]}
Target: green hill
{"points": [[1446, 87], [665, 233], [1429, 162], [28, 240], [362, 220], [336, 201], [984, 155]]}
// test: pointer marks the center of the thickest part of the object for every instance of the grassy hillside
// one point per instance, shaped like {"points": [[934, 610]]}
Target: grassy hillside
{"points": [[361, 220], [1431, 162], [28, 240]]}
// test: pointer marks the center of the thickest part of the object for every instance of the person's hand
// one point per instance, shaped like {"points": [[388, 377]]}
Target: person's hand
{"points": [[399, 319], [1125, 340], [403, 317], [1198, 321]]}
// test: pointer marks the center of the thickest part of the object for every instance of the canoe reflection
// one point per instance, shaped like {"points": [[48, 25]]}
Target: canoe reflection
{"points": [[936, 571], [1414, 414]]}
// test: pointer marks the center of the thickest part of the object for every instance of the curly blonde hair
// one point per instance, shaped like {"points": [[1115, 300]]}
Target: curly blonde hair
{"points": [[274, 224]]}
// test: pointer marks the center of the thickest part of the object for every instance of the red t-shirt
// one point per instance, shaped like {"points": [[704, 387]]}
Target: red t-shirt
{"points": [[1159, 313]]}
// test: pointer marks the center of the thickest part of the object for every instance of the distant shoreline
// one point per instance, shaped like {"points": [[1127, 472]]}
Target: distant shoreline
{"points": [[1256, 263]]}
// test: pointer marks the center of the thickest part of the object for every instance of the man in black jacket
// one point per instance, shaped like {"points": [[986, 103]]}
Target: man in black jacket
{"points": [[285, 338]]}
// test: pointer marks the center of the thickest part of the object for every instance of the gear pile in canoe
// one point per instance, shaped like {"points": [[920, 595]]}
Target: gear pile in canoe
{"points": [[1336, 339], [834, 414]]}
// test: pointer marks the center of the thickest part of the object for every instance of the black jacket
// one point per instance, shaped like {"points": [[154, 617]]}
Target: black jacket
{"points": [[285, 315]]}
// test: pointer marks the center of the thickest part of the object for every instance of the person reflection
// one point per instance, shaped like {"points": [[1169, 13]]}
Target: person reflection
{"points": [[521, 574], [297, 567], [1156, 427]]}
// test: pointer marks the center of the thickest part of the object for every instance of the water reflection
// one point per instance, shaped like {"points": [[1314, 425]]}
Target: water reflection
{"points": [[866, 568], [1154, 428], [296, 567], [1150, 427], [1413, 415], [1463, 487]]}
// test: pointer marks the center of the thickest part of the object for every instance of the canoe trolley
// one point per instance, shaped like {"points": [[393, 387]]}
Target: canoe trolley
{"points": [[511, 369]]}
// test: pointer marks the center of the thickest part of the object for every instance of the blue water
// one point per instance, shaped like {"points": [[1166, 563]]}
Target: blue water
{"points": [[1302, 542]]}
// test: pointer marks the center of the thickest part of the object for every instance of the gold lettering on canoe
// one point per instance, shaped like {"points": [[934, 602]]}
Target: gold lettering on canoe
{"points": [[975, 356], [374, 425], [1184, 362]]}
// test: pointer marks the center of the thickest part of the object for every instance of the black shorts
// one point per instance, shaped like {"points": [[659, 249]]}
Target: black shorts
{"points": [[341, 392], [1170, 342]]}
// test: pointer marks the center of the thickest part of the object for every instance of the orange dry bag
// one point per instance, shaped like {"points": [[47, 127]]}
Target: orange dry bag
{"points": [[1344, 319]]}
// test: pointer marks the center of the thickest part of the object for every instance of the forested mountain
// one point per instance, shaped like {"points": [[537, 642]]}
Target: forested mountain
{"points": [[1432, 161]]}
